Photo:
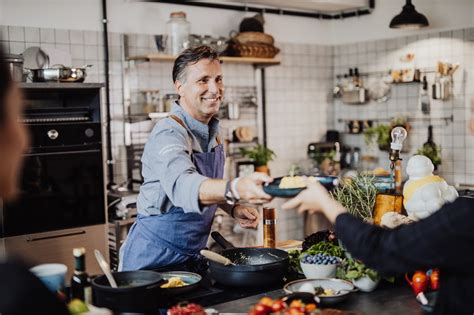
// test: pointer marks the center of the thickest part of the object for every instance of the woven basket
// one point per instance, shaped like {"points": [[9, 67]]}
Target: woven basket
{"points": [[253, 37], [256, 50]]}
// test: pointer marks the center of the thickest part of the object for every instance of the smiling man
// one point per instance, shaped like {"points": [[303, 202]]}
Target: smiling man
{"points": [[183, 166]]}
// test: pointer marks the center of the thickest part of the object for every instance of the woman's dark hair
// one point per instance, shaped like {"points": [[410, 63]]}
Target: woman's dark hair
{"points": [[191, 56], [5, 84]]}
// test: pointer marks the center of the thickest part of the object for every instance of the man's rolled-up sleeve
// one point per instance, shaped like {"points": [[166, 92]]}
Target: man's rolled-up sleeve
{"points": [[167, 159]]}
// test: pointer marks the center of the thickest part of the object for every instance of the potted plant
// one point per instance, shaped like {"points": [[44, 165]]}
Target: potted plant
{"points": [[431, 152], [379, 134], [364, 278], [261, 155]]}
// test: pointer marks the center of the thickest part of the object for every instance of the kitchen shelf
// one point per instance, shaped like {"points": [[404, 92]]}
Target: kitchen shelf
{"points": [[446, 119], [258, 62], [61, 85]]}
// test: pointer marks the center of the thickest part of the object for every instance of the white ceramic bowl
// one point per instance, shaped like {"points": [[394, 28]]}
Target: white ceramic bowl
{"points": [[52, 275], [315, 271], [365, 284]]}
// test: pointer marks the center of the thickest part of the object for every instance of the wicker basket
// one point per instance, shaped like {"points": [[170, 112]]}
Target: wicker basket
{"points": [[257, 50], [254, 37]]}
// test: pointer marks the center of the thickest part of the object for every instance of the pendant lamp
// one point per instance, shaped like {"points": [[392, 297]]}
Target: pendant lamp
{"points": [[409, 18]]}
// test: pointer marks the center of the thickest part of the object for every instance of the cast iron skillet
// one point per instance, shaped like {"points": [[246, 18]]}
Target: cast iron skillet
{"points": [[254, 266]]}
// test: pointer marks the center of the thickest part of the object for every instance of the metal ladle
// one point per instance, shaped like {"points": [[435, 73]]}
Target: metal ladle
{"points": [[105, 268]]}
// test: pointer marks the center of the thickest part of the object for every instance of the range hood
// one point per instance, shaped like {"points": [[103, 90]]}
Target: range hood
{"points": [[323, 6], [320, 9]]}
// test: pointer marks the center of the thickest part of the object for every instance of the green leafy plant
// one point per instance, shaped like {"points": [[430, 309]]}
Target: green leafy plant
{"points": [[327, 248], [431, 152], [357, 195], [379, 134], [260, 154], [352, 270]]}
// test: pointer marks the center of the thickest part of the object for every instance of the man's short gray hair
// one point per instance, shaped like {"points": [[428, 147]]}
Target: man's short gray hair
{"points": [[191, 56]]}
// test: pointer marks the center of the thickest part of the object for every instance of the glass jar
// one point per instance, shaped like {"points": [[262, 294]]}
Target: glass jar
{"points": [[178, 32], [168, 101]]}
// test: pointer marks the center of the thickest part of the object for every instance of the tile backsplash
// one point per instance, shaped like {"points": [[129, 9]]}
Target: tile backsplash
{"points": [[455, 137]]}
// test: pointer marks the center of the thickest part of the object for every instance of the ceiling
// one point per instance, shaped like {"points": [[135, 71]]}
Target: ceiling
{"points": [[326, 6]]}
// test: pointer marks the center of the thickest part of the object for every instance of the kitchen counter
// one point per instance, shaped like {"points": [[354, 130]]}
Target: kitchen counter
{"points": [[386, 299]]}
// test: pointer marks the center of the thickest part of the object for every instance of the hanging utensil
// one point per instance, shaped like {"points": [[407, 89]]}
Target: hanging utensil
{"points": [[105, 268]]}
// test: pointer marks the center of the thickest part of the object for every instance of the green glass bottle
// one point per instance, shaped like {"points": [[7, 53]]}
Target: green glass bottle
{"points": [[80, 281]]}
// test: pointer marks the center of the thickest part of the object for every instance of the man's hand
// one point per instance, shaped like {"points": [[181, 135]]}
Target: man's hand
{"points": [[250, 188], [315, 198], [246, 216]]}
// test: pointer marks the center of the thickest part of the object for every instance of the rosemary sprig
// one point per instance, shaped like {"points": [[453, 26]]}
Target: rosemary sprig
{"points": [[357, 195]]}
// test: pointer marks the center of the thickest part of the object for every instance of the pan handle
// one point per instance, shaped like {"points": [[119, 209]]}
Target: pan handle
{"points": [[221, 240], [216, 257]]}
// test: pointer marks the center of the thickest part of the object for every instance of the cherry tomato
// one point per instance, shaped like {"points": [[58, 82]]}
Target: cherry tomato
{"points": [[266, 301], [434, 279], [263, 308], [310, 307], [419, 281], [296, 303], [278, 306]]}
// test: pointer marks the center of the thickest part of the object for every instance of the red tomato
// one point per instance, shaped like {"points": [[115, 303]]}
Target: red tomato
{"points": [[434, 279], [263, 308], [295, 311], [419, 282], [310, 307], [278, 306], [266, 301]]}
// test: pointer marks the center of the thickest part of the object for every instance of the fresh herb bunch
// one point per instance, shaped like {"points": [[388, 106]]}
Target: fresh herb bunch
{"points": [[357, 195], [317, 237], [352, 270], [294, 256], [327, 248]]}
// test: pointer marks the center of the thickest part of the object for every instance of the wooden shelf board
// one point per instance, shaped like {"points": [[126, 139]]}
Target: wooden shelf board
{"points": [[245, 60]]}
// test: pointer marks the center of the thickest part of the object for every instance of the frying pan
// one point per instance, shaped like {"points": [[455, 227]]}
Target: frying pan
{"points": [[253, 266]]}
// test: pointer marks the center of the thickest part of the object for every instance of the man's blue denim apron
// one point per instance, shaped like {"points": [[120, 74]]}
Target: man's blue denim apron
{"points": [[175, 237]]}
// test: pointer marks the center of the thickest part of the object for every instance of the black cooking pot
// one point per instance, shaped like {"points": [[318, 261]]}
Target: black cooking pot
{"points": [[138, 291], [254, 266]]}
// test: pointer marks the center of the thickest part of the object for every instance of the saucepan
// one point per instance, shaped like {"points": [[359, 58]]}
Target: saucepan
{"points": [[58, 73], [250, 266], [137, 291]]}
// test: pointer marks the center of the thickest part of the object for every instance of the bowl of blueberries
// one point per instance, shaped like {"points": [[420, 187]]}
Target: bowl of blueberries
{"points": [[319, 266]]}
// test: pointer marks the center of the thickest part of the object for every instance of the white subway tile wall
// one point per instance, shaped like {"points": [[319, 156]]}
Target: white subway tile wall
{"points": [[456, 137]]}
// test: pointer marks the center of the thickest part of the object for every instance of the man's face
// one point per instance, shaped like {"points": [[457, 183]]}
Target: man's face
{"points": [[202, 90]]}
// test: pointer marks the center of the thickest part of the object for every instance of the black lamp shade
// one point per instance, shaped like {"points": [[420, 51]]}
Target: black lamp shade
{"points": [[409, 18]]}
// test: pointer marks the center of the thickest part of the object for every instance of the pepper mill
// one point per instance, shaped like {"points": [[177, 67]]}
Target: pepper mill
{"points": [[269, 222]]}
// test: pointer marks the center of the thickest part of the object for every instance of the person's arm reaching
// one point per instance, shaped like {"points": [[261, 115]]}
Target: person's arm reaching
{"points": [[167, 158], [443, 240]]}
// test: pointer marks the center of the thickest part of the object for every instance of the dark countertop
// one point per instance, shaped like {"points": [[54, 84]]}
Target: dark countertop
{"points": [[388, 299]]}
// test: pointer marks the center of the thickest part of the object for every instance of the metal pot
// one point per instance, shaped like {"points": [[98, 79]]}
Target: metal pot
{"points": [[15, 65], [58, 73], [138, 291]]}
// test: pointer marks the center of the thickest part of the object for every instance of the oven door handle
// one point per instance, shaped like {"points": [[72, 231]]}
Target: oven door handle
{"points": [[34, 239], [62, 152]]}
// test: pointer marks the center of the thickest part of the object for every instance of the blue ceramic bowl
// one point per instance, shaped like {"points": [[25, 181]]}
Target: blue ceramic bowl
{"points": [[52, 275]]}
